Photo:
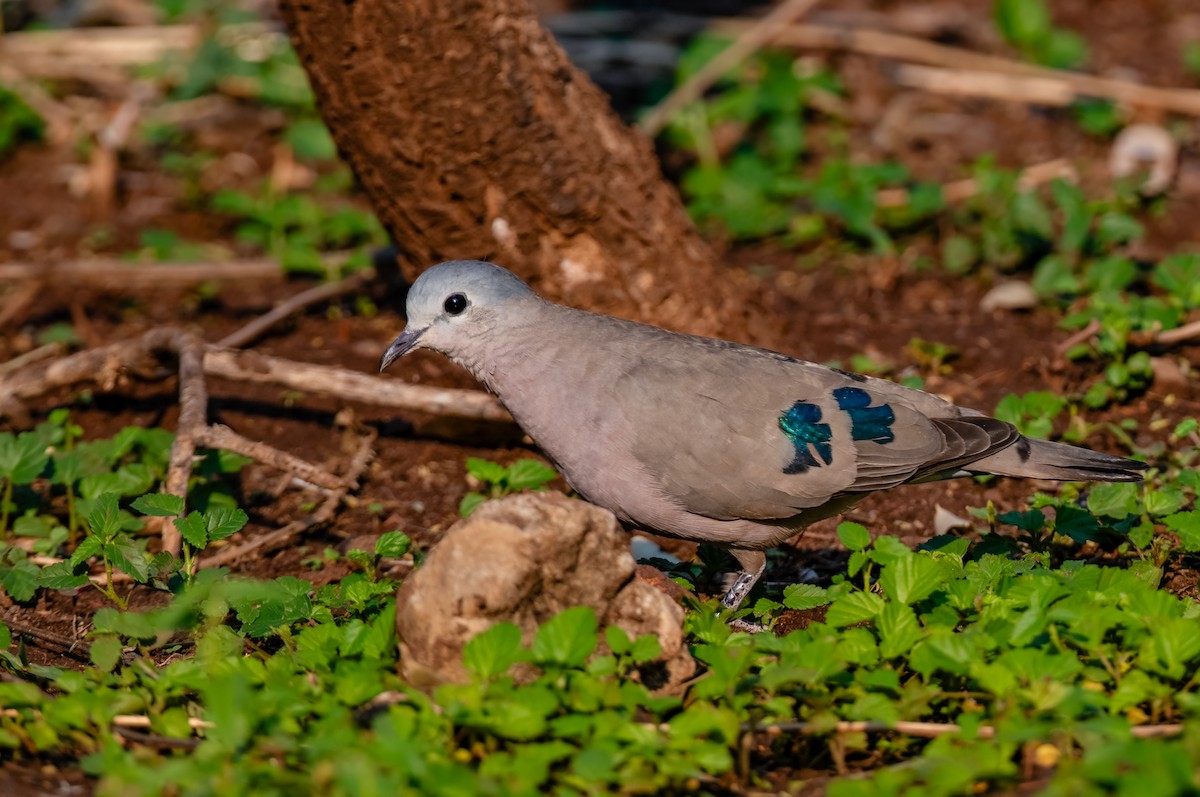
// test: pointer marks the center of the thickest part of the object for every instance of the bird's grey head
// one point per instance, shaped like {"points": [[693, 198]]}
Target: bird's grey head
{"points": [[454, 305]]}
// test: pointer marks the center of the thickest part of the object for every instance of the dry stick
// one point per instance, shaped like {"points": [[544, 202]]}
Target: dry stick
{"points": [[319, 293], [68, 646], [989, 85], [755, 36], [926, 730], [246, 366], [1187, 332], [104, 366], [323, 514], [55, 53], [907, 48], [193, 408], [222, 437], [40, 354], [104, 271], [960, 190]]}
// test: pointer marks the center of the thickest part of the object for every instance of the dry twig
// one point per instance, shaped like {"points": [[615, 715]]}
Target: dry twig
{"points": [[74, 648], [112, 273], [222, 437], [324, 513], [907, 48], [314, 295], [924, 730], [754, 36]]}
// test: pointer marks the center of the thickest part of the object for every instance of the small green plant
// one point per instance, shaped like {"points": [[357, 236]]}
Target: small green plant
{"points": [[1027, 26], [18, 122], [1033, 413], [198, 529], [524, 474], [23, 457], [297, 229], [108, 538], [1191, 57]]}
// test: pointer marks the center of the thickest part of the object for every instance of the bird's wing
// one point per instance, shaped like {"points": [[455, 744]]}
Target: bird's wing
{"points": [[733, 432]]}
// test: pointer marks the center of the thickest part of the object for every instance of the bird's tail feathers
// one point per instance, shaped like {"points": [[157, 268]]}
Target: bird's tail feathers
{"points": [[1041, 459]]}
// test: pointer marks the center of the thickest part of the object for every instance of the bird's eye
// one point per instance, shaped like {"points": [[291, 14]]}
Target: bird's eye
{"points": [[455, 303]]}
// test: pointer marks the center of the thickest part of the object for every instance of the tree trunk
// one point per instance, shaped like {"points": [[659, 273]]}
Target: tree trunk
{"points": [[474, 137]]}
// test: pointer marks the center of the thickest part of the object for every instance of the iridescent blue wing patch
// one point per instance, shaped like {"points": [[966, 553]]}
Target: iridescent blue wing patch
{"points": [[802, 424], [866, 422]]}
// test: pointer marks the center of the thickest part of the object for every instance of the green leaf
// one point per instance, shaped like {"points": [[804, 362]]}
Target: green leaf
{"points": [[23, 457], [491, 653], [898, 630], [1187, 526], [310, 140], [61, 575], [1175, 643], [392, 545], [854, 608], [853, 535], [469, 503], [486, 471], [1023, 23], [568, 638], [159, 505], [128, 558], [223, 522], [20, 580], [617, 640], [959, 254], [105, 652], [1115, 500], [529, 474], [87, 548], [1116, 228], [193, 528], [911, 578], [804, 596], [645, 648], [105, 517]]}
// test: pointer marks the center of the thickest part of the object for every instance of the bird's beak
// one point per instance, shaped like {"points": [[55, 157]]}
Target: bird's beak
{"points": [[401, 346]]}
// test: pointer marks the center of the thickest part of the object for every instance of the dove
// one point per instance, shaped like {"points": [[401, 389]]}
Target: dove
{"points": [[705, 439]]}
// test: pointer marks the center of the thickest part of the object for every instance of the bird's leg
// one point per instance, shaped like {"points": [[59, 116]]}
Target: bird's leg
{"points": [[753, 563]]}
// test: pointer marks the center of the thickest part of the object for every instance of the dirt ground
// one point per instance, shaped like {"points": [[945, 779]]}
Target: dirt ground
{"points": [[832, 305]]}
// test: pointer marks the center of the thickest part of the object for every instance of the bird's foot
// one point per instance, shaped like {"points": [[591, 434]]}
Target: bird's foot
{"points": [[737, 593], [746, 626]]}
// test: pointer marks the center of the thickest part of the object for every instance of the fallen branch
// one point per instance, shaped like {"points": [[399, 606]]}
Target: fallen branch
{"points": [[754, 36], [222, 437], [324, 513], [106, 365], [314, 295], [80, 51], [193, 403], [1187, 332], [40, 354], [924, 730], [106, 272], [1030, 89], [74, 648], [907, 48], [246, 366]]}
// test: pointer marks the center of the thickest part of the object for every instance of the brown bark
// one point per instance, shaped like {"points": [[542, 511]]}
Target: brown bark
{"points": [[474, 137]]}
